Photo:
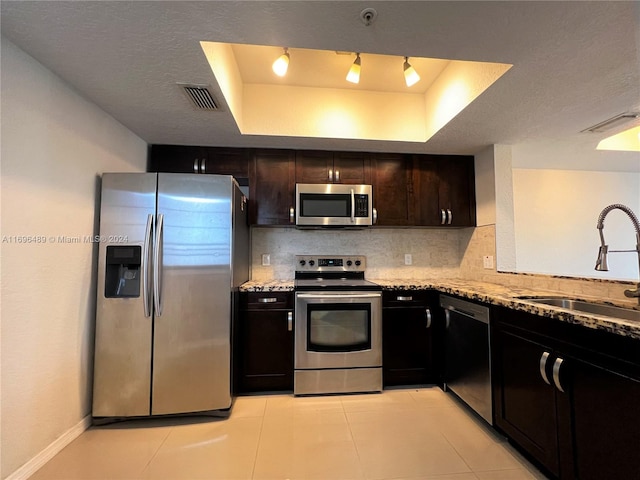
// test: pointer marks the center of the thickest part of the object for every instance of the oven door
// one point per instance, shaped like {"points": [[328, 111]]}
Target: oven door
{"points": [[338, 330]]}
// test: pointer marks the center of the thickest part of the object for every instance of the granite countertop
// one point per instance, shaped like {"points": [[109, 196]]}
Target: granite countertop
{"points": [[494, 294]]}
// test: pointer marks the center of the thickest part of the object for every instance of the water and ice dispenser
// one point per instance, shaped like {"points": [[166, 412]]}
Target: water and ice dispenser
{"points": [[122, 277]]}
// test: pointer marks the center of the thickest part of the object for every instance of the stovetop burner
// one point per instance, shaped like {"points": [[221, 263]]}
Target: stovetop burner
{"points": [[333, 273]]}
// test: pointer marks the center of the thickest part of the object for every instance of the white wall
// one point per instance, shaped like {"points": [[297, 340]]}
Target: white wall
{"points": [[556, 213], [55, 144]]}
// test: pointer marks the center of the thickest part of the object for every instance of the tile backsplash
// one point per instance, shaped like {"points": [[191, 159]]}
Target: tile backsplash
{"points": [[444, 253], [435, 252]]}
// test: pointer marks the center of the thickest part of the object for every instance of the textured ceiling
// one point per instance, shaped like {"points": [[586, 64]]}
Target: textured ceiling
{"points": [[575, 63]]}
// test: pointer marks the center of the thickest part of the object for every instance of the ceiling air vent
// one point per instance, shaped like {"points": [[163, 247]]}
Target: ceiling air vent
{"points": [[613, 122], [200, 96]]}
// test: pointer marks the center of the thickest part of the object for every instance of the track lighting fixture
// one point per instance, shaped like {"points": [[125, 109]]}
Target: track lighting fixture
{"points": [[281, 64], [354, 72], [411, 77]]}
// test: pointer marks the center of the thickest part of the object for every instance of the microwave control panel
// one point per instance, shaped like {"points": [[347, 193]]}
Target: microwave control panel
{"points": [[362, 205]]}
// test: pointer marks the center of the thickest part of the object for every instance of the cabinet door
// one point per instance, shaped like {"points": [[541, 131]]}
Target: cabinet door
{"points": [[263, 343], [406, 342], [272, 185], [227, 161], [524, 404], [314, 167], [353, 168], [186, 159], [605, 413], [266, 351], [456, 189], [176, 158], [426, 191], [392, 189], [444, 189]]}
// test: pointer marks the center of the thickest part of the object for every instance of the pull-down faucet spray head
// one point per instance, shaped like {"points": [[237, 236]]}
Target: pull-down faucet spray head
{"points": [[601, 263]]}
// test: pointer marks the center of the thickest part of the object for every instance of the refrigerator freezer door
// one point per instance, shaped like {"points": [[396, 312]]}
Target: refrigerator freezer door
{"points": [[122, 370], [191, 349]]}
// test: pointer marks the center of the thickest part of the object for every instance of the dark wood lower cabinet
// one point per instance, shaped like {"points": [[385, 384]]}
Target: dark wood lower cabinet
{"points": [[567, 395], [263, 344], [524, 404], [604, 408], [407, 325]]}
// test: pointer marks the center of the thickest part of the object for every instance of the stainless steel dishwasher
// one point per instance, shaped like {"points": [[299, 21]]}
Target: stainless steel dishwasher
{"points": [[467, 357]]}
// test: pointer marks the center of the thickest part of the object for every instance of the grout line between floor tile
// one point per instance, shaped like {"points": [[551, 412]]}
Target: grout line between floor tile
{"points": [[164, 440], [255, 457]]}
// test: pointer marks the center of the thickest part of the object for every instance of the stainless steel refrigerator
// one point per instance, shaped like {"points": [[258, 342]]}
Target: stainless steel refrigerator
{"points": [[173, 250]]}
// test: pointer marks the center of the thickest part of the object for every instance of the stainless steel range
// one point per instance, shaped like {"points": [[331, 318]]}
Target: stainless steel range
{"points": [[338, 333]]}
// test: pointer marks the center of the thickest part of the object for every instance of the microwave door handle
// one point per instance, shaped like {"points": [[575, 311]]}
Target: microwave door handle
{"points": [[353, 206]]}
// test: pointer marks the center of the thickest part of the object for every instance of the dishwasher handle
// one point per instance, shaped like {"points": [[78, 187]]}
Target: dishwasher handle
{"points": [[464, 308]]}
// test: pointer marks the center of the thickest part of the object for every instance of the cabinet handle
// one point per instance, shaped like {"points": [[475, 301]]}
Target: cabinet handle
{"points": [[450, 216], [290, 321], [337, 175], [404, 299], [447, 319], [292, 215], [203, 165], [443, 216], [331, 174], [267, 300], [374, 216], [543, 367], [196, 166], [428, 318], [556, 373]]}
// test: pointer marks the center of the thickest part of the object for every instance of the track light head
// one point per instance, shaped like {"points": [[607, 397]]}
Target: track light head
{"points": [[281, 64], [411, 77], [354, 72]]}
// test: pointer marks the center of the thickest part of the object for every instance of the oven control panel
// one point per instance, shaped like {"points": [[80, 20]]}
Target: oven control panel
{"points": [[330, 263]]}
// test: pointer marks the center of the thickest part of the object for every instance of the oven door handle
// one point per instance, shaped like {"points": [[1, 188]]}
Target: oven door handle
{"points": [[338, 296]]}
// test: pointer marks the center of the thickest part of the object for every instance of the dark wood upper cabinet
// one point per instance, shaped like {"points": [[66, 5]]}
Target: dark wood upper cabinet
{"points": [[314, 167], [271, 187], [444, 189], [213, 160], [393, 189], [176, 158], [408, 190], [352, 168]]}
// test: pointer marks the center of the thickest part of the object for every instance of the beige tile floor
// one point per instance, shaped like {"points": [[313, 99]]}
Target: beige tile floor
{"points": [[406, 434]]}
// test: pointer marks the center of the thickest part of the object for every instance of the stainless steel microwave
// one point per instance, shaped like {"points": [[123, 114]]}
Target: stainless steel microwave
{"points": [[334, 205]]}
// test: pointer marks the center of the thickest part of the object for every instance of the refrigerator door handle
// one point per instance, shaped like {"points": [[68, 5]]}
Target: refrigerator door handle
{"points": [[146, 250], [157, 265]]}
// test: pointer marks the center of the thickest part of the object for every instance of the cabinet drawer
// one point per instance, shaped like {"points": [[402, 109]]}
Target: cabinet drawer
{"points": [[269, 300], [405, 298]]}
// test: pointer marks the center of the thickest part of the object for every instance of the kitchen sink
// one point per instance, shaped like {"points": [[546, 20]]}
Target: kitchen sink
{"points": [[587, 307]]}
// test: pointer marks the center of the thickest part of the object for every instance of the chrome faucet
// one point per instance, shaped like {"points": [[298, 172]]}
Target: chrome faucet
{"points": [[601, 263]]}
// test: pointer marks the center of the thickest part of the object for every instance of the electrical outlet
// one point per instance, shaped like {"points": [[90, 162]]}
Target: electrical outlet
{"points": [[266, 259], [408, 260], [487, 262]]}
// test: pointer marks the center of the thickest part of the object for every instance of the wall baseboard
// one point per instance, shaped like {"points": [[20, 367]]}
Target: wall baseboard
{"points": [[33, 465]]}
